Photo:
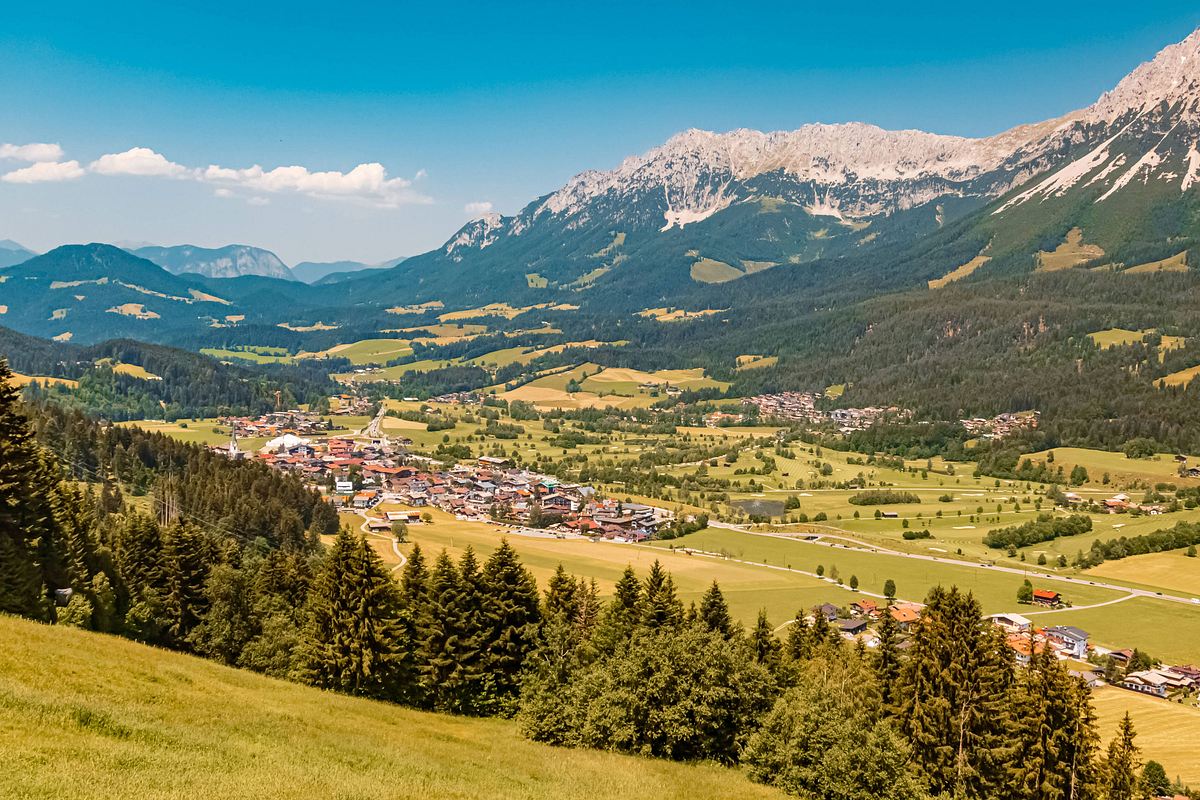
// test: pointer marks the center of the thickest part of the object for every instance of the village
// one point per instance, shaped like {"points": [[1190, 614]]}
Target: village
{"points": [[802, 407], [358, 474]]}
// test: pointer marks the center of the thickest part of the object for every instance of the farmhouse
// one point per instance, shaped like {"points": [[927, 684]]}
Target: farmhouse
{"points": [[1046, 597], [1069, 640], [905, 614], [1012, 623]]}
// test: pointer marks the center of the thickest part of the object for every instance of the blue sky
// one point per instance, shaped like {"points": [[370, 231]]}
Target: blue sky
{"points": [[467, 104]]}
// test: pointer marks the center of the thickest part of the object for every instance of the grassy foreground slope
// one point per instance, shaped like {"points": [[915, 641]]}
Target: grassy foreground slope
{"points": [[84, 715]]}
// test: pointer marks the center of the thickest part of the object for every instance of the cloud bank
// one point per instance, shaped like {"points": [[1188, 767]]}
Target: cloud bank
{"points": [[365, 183]]}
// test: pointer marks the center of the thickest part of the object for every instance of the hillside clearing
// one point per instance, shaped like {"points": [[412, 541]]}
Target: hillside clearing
{"points": [[958, 273], [1070, 253], [84, 716], [1176, 263], [709, 270]]}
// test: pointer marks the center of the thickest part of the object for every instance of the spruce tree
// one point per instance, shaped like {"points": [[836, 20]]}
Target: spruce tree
{"points": [[887, 660], [560, 595], [714, 612], [660, 607], [30, 540], [799, 644], [511, 613], [230, 622], [448, 656], [188, 557], [953, 697], [621, 613], [766, 646], [351, 641], [1122, 764]]}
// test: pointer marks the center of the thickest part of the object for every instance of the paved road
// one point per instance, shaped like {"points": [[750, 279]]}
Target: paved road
{"points": [[372, 431], [832, 540], [388, 536]]}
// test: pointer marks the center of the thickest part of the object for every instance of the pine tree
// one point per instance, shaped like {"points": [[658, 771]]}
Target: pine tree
{"points": [[887, 660], [799, 644], [139, 555], [352, 639], [1122, 764], [449, 655], [230, 623], [560, 595], [953, 694], [30, 540], [714, 612], [511, 613], [822, 631], [187, 559], [660, 607], [765, 644], [621, 614]]}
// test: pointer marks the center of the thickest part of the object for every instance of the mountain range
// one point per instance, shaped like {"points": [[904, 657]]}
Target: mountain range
{"points": [[712, 220], [709, 207]]}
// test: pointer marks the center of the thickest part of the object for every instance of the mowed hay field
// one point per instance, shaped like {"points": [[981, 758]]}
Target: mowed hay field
{"points": [[1166, 732], [747, 588], [84, 716], [1171, 570]]}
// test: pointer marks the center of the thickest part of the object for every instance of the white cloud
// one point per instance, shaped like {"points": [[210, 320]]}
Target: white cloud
{"points": [[45, 172], [368, 182], [34, 151], [139, 161], [478, 208]]}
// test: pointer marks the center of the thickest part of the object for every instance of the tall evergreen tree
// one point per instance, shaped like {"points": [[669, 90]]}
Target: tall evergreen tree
{"points": [[660, 607], [511, 613], [1122, 764], [230, 622], [799, 644], [352, 639], [714, 611], [188, 557], [954, 690], [887, 661], [765, 643], [621, 614], [449, 655], [30, 545]]}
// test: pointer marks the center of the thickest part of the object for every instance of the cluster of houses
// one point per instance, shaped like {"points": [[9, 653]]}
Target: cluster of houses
{"points": [[799, 406], [361, 474], [457, 398], [1001, 425], [1163, 681], [278, 423], [1117, 504], [855, 621], [1025, 640], [802, 407], [349, 405]]}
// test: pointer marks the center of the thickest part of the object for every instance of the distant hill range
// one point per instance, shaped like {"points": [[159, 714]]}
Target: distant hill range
{"points": [[230, 261], [13, 253], [335, 271]]}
